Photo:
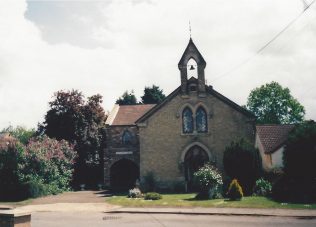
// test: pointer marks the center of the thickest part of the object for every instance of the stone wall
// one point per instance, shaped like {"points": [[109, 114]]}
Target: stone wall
{"points": [[163, 145], [116, 150]]}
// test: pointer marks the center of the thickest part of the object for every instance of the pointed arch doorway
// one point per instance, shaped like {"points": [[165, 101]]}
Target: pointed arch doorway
{"points": [[194, 159], [123, 175]]}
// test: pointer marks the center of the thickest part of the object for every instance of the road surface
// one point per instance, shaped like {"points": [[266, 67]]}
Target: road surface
{"points": [[96, 219]]}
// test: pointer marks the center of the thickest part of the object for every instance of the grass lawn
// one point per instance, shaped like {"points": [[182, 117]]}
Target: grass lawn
{"points": [[187, 200]]}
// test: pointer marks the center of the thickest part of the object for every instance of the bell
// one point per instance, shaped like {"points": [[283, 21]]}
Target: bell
{"points": [[192, 67]]}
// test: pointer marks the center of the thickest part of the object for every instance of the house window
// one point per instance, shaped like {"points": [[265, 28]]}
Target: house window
{"points": [[187, 120], [201, 120], [127, 137]]}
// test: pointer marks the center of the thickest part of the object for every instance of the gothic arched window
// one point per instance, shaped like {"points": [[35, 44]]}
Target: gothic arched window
{"points": [[201, 120], [127, 137], [187, 120]]}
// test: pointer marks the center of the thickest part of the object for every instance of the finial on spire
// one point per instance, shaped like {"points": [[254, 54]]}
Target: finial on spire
{"points": [[190, 29]]}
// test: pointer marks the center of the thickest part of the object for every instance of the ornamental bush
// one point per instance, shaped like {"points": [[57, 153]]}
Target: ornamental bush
{"points": [[209, 182], [152, 196], [262, 187], [235, 191], [242, 161], [50, 162], [134, 193], [44, 166]]}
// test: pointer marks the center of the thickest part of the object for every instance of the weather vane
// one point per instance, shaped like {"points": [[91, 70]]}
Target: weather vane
{"points": [[190, 28]]}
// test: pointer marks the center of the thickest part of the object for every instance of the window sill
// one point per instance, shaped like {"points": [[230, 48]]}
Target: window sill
{"points": [[196, 134]]}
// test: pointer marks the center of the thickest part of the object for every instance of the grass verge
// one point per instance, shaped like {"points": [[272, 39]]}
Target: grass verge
{"points": [[188, 200]]}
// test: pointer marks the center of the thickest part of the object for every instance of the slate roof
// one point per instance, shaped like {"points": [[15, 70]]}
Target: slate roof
{"points": [[273, 137], [209, 89], [127, 114]]}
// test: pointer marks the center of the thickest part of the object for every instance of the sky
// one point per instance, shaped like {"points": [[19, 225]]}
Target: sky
{"points": [[109, 46]]}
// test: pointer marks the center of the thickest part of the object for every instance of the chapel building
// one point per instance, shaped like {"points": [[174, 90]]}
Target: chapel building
{"points": [[173, 139]]}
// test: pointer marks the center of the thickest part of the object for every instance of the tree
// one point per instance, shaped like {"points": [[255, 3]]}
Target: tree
{"points": [[242, 162], [82, 123], [21, 133], [273, 104], [127, 99], [299, 160], [153, 95]]}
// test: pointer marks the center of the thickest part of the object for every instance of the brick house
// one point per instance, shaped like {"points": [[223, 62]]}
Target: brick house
{"points": [[193, 125], [270, 141]]}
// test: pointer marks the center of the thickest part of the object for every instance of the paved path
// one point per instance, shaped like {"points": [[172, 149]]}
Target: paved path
{"points": [[88, 201]]}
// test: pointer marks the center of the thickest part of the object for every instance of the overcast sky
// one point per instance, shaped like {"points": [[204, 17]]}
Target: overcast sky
{"points": [[110, 46]]}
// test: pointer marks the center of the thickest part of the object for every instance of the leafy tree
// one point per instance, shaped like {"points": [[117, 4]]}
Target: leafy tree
{"points": [[21, 133], [273, 104], [82, 123], [153, 95], [242, 162], [127, 99]]}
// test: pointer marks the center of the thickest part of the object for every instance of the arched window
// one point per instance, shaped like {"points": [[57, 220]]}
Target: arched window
{"points": [[187, 120], [201, 120], [127, 137]]}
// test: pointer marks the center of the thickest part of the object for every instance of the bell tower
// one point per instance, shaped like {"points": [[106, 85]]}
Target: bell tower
{"points": [[191, 52]]}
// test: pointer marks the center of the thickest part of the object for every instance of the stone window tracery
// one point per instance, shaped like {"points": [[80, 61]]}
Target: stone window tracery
{"points": [[201, 120], [187, 120]]}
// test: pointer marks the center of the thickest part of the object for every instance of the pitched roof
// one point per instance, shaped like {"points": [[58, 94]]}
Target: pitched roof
{"points": [[127, 114], [209, 89], [272, 137], [191, 51]]}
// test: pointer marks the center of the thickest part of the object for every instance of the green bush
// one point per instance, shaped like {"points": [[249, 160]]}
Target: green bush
{"points": [[262, 187], [152, 196], [44, 166], [179, 187], [149, 182], [235, 191], [299, 180], [242, 161], [209, 182], [34, 189]]}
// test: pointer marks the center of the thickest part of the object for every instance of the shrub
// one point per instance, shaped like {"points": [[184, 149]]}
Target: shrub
{"points": [[235, 191], [34, 189], [44, 166], [299, 181], [149, 182], [152, 196], [262, 187], [179, 187], [209, 181], [243, 162], [134, 193]]}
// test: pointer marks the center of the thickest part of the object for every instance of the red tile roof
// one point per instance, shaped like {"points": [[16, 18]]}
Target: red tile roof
{"points": [[129, 114], [272, 137]]}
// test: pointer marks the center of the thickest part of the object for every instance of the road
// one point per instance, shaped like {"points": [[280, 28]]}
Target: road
{"points": [[96, 219]]}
